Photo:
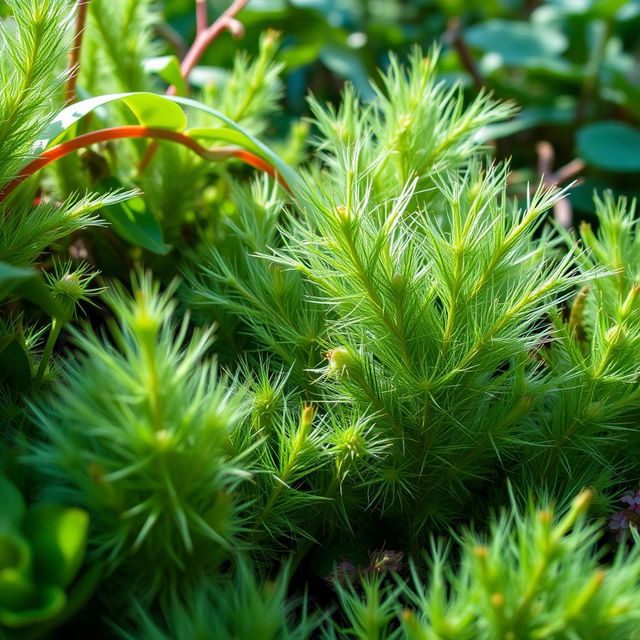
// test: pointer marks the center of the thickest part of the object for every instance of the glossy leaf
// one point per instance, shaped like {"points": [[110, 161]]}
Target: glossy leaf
{"points": [[133, 221], [168, 68], [13, 506], [58, 537], [15, 367], [28, 284], [15, 555], [613, 146], [150, 109], [282, 167], [516, 42], [40, 605]]}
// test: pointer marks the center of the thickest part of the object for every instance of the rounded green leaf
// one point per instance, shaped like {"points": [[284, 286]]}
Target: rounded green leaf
{"points": [[251, 141], [16, 591], [133, 220], [43, 605], [613, 146], [58, 536], [150, 109], [516, 42], [27, 283], [13, 506], [15, 554], [168, 68]]}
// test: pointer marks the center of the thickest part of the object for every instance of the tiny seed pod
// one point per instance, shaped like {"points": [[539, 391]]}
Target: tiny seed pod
{"points": [[615, 335], [340, 361]]}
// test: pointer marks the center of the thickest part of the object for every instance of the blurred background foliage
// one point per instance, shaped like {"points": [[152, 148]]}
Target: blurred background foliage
{"points": [[571, 65]]}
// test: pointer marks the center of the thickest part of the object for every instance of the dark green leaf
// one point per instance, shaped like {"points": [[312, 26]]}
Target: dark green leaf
{"points": [[28, 284], [516, 42], [15, 368], [133, 221], [613, 146], [58, 537]]}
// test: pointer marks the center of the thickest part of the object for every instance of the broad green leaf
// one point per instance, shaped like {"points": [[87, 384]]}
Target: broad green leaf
{"points": [[44, 603], [609, 145], [58, 536], [16, 591], [15, 554], [224, 135], [27, 283], [79, 594], [15, 368], [591, 8], [346, 63], [562, 113], [516, 42], [206, 76], [168, 68], [133, 221], [150, 109], [278, 164], [13, 506]]}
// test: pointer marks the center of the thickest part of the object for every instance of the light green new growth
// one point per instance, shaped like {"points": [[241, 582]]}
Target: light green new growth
{"points": [[534, 576]]}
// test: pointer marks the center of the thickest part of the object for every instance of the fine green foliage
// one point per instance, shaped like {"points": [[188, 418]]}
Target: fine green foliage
{"points": [[31, 48], [138, 434], [418, 278], [236, 606], [587, 425], [534, 575], [403, 343]]}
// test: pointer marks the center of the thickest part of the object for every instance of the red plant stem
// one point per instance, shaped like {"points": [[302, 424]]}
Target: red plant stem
{"points": [[74, 54], [204, 37], [138, 131], [201, 16], [207, 36]]}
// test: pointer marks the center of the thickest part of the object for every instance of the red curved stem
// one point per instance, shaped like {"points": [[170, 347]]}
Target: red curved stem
{"points": [[138, 131]]}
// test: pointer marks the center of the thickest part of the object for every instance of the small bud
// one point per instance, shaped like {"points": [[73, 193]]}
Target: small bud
{"points": [[576, 317], [384, 561], [271, 37], [163, 439], [342, 214], [407, 615], [405, 122], [481, 552], [615, 335], [599, 577], [397, 283], [628, 304], [497, 600], [545, 516], [583, 500], [308, 414], [340, 361]]}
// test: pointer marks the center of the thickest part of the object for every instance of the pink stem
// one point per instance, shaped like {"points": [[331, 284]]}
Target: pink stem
{"points": [[201, 16], [205, 38]]}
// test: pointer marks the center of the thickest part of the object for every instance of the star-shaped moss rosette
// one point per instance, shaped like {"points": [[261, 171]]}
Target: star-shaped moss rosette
{"points": [[41, 550]]}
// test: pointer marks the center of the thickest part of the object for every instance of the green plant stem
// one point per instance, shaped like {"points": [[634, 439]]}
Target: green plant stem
{"points": [[56, 327]]}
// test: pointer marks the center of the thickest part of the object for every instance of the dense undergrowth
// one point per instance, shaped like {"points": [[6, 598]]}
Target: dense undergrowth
{"points": [[342, 386]]}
